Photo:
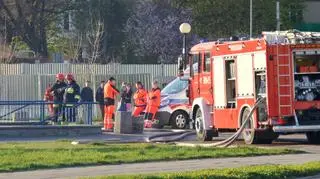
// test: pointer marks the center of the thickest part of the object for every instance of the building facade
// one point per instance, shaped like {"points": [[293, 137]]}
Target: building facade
{"points": [[311, 16]]}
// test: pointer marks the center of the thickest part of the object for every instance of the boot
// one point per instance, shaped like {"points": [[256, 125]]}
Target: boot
{"points": [[147, 124], [107, 125]]}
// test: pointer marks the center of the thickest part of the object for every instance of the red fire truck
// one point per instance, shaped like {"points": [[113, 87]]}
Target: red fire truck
{"points": [[283, 67]]}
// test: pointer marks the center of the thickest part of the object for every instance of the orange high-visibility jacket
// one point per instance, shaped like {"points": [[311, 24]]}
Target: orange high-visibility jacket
{"points": [[154, 97], [47, 95], [140, 97], [110, 93]]}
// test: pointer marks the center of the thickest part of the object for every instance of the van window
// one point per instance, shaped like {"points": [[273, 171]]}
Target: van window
{"points": [[175, 86]]}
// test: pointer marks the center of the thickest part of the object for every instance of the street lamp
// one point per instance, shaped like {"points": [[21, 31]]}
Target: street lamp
{"points": [[185, 29]]}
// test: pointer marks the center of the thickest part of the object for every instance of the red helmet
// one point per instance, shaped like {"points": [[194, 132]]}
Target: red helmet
{"points": [[60, 76], [69, 77]]}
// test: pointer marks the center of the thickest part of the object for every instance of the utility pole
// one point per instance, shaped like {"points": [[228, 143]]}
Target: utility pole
{"points": [[3, 56], [250, 19], [278, 15]]}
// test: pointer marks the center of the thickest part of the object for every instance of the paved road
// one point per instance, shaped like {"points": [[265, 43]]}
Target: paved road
{"points": [[311, 177], [156, 167], [104, 136]]}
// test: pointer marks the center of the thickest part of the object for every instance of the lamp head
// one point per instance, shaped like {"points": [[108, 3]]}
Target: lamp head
{"points": [[185, 28]]}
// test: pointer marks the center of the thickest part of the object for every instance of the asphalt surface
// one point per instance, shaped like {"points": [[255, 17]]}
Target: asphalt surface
{"points": [[311, 177], [289, 141]]}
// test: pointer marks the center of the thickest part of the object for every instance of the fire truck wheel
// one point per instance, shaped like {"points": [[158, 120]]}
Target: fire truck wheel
{"points": [[202, 134], [179, 120], [248, 133], [313, 137], [251, 136]]}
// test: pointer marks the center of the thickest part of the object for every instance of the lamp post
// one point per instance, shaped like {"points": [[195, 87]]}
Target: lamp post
{"points": [[278, 15], [250, 19], [185, 29]]}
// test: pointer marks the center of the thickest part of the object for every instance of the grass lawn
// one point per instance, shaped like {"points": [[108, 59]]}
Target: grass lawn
{"points": [[251, 172], [40, 155]]}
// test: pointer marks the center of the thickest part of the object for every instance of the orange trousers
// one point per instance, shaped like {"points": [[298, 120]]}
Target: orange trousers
{"points": [[138, 110], [108, 116], [50, 110], [151, 112]]}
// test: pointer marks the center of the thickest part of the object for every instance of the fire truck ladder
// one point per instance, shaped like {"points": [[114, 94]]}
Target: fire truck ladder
{"points": [[282, 76]]}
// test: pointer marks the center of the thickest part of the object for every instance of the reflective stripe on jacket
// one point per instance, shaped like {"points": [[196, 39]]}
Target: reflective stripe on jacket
{"points": [[72, 93]]}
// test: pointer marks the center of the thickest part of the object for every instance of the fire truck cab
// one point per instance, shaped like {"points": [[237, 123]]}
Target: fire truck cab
{"points": [[283, 67]]}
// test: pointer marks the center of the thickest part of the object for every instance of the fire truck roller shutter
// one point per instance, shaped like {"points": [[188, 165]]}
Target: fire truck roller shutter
{"points": [[245, 86], [219, 81], [259, 61], [202, 104]]}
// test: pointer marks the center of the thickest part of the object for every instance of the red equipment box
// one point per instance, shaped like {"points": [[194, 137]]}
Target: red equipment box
{"points": [[308, 69]]}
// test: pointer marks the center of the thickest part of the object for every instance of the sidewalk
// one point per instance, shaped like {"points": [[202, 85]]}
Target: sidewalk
{"points": [[157, 167], [311, 177]]}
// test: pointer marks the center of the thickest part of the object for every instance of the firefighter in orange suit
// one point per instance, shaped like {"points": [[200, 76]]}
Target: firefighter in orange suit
{"points": [[110, 93], [140, 100], [154, 98], [48, 97]]}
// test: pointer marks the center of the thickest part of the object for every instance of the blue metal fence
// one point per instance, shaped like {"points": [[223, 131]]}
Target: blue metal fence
{"points": [[37, 112]]}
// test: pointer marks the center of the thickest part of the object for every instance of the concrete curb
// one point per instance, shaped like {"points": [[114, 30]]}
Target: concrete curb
{"points": [[48, 131]]}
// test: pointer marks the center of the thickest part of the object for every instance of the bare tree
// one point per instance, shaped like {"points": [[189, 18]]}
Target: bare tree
{"points": [[4, 52], [7, 52], [29, 19], [94, 39], [74, 45], [154, 29]]}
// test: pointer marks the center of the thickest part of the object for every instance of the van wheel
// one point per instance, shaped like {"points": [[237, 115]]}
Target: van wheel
{"points": [[313, 137], [251, 136], [202, 134], [179, 120]]}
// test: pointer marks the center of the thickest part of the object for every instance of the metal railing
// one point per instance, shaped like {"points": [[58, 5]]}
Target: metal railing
{"points": [[40, 112]]}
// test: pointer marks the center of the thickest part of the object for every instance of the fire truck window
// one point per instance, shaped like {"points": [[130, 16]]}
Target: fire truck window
{"points": [[207, 62], [260, 80], [307, 63], [196, 61], [231, 83], [307, 77]]}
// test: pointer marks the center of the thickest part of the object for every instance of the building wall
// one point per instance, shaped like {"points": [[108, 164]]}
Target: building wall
{"points": [[311, 13], [311, 20]]}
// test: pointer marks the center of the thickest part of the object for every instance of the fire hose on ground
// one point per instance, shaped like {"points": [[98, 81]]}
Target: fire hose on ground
{"points": [[176, 136]]}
